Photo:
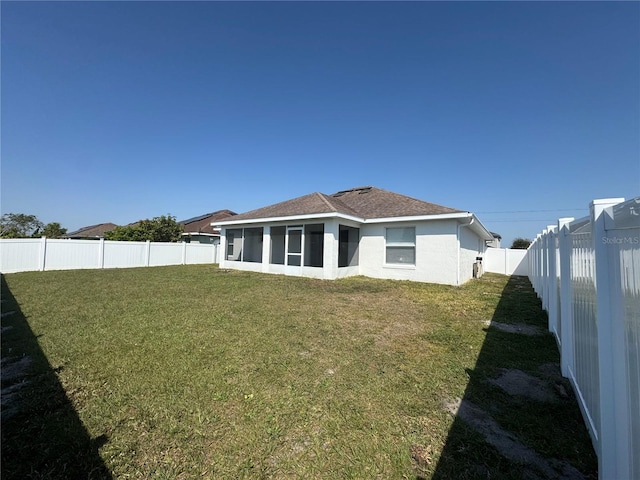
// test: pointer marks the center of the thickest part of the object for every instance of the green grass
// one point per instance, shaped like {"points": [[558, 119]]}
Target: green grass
{"points": [[196, 372]]}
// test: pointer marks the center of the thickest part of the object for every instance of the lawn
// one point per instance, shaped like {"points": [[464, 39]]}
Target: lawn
{"points": [[195, 372]]}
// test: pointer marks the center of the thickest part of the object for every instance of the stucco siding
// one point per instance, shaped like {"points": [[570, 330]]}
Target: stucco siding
{"points": [[471, 247], [436, 256]]}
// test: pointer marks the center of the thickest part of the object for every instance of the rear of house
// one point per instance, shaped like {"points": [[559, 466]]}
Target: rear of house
{"points": [[362, 231]]}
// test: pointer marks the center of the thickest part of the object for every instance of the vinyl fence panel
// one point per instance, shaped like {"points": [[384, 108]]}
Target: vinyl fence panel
{"points": [[166, 254], [507, 261], [20, 254], [71, 254], [125, 254], [33, 254], [587, 275], [585, 331], [199, 253]]}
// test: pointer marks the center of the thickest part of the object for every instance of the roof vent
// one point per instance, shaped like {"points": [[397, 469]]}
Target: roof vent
{"points": [[359, 190]]}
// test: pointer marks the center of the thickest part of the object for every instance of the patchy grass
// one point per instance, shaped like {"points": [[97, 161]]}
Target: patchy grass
{"points": [[196, 372]]}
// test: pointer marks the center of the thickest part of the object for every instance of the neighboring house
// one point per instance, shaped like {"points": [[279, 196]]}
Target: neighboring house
{"points": [[363, 231], [200, 229], [92, 232], [495, 241]]}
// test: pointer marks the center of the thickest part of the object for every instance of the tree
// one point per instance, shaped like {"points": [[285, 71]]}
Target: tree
{"points": [[53, 230], [159, 229], [521, 243], [19, 225]]}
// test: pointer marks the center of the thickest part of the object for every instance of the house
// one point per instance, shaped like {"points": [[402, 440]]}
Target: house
{"points": [[200, 229], [362, 231], [495, 241], [92, 232]]}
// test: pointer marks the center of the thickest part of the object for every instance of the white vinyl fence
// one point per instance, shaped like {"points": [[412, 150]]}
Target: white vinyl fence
{"points": [[587, 274], [507, 261], [37, 254]]}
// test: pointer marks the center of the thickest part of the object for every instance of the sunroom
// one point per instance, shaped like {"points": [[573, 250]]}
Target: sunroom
{"points": [[320, 248]]}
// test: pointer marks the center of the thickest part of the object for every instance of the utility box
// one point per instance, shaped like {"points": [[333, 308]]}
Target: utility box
{"points": [[477, 269]]}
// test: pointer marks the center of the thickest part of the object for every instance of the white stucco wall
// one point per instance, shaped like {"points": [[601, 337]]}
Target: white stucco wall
{"points": [[436, 252], [471, 247]]}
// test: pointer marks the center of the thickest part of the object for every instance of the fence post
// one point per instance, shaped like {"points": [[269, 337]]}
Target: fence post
{"points": [[43, 254], [614, 441], [545, 271], [532, 264], [539, 266], [101, 253], [566, 297], [184, 253], [553, 283], [147, 253], [506, 261]]}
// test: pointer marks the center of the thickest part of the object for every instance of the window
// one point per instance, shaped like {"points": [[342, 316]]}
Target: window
{"points": [[401, 246], [244, 245]]}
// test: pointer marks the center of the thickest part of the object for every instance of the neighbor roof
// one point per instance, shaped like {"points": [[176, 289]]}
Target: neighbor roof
{"points": [[361, 202], [92, 231], [202, 223]]}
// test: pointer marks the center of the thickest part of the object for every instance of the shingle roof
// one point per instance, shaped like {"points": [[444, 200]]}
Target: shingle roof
{"points": [[202, 223], [92, 231], [305, 205], [372, 202], [361, 202]]}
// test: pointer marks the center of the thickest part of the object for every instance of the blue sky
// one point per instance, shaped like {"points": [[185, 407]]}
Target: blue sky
{"points": [[116, 111]]}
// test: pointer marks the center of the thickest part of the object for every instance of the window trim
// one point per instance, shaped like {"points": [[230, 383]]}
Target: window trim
{"points": [[388, 244]]}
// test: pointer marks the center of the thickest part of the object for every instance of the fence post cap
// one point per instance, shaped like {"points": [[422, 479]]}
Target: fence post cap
{"points": [[607, 201]]}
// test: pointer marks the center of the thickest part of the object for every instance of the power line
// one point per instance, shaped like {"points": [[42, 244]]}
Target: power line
{"points": [[518, 220], [538, 211]]}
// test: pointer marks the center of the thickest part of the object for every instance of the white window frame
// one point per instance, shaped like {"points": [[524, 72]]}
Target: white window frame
{"points": [[388, 244]]}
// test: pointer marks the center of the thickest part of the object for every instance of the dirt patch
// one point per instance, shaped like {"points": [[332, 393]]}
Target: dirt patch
{"points": [[521, 328], [395, 331], [422, 455], [536, 466], [516, 382]]}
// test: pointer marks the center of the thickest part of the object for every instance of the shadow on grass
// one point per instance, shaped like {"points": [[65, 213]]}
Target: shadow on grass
{"points": [[42, 435], [528, 427]]}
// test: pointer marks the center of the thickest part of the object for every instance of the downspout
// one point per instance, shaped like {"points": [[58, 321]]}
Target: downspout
{"points": [[461, 225]]}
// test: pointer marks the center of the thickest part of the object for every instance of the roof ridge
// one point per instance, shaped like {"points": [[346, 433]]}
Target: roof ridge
{"points": [[326, 201], [420, 200]]}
